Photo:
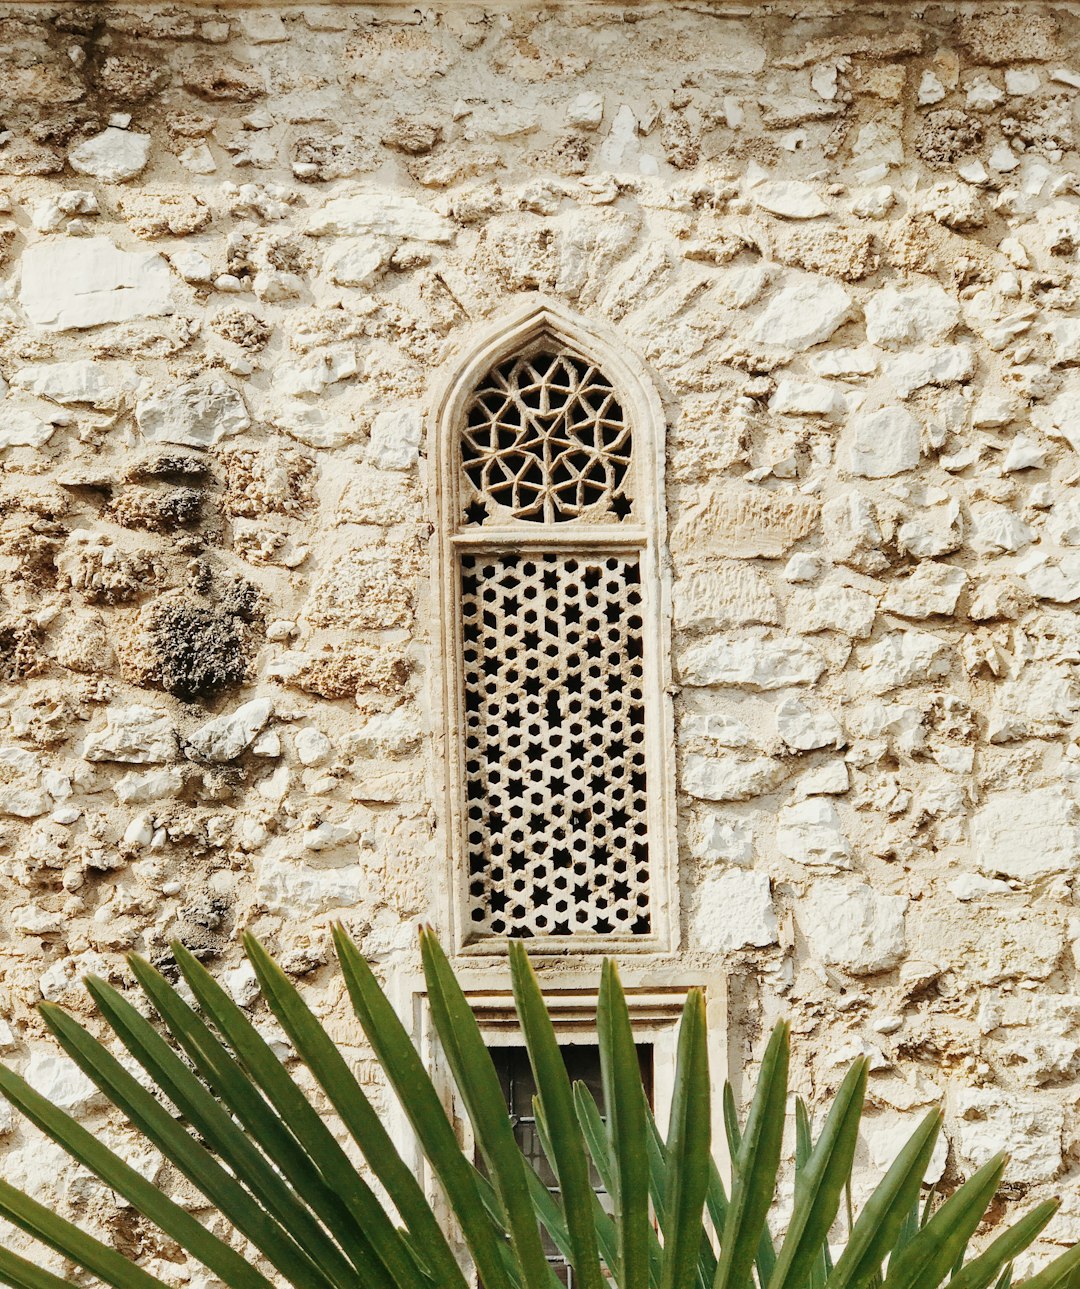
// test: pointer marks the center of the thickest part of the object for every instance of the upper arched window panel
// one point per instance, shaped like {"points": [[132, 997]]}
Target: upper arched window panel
{"points": [[546, 440]]}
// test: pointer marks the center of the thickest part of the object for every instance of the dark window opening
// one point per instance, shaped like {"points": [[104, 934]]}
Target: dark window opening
{"points": [[519, 1088]]}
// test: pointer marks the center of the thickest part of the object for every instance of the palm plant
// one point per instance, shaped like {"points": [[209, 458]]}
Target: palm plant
{"points": [[218, 1103]]}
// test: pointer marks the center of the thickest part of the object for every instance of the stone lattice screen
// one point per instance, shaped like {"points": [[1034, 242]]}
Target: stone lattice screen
{"points": [[243, 250]]}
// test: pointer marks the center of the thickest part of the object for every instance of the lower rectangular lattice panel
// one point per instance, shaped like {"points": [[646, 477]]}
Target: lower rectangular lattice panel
{"points": [[555, 784]]}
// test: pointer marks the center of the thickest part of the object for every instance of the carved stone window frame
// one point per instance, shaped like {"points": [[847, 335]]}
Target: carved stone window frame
{"points": [[655, 996], [645, 533]]}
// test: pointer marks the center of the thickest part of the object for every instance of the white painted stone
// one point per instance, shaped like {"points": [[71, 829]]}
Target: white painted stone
{"points": [[808, 398], [1056, 578], [1063, 519], [804, 312], [1023, 454], [804, 729], [732, 595], [802, 567], [902, 657], [1060, 417], [844, 363], [23, 801], [930, 589], [137, 734], [880, 444], [111, 156], [887, 1133], [585, 111], [918, 314], [20, 428], [931, 89], [1026, 835], [195, 415], [993, 408], [1021, 80], [79, 381], [996, 530], [193, 266], [940, 365], [87, 281], [730, 777], [790, 198], [833, 608], [734, 911], [850, 926], [809, 832], [356, 213], [290, 886], [312, 746], [60, 1081], [227, 736], [972, 886], [359, 261], [395, 439], [717, 727], [719, 839], [758, 662], [154, 785], [1028, 1127]]}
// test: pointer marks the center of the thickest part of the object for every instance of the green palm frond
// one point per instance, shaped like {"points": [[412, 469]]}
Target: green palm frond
{"points": [[214, 1098]]}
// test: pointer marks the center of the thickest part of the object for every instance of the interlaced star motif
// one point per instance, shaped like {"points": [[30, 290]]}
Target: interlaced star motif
{"points": [[546, 439]]}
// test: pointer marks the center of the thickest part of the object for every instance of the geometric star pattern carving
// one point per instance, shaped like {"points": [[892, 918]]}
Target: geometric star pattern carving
{"points": [[546, 439], [556, 829]]}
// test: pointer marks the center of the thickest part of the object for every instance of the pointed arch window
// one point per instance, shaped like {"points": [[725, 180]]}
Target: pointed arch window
{"points": [[555, 636]]}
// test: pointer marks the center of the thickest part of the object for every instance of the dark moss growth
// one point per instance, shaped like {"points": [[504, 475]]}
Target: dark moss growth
{"points": [[169, 463], [202, 927], [202, 643], [20, 650], [199, 649], [156, 509]]}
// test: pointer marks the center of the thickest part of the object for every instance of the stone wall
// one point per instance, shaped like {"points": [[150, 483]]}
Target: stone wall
{"points": [[241, 247]]}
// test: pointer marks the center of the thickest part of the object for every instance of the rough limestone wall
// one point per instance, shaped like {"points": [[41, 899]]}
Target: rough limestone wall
{"points": [[239, 248]]}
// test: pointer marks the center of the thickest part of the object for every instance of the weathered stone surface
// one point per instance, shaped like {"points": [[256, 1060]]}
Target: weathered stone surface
{"points": [[227, 736], [910, 315], [905, 656], [86, 282], [853, 927], [60, 1081], [379, 214], [879, 444], [99, 384], [990, 1119], [194, 415], [138, 734], [111, 156], [834, 608], [1026, 835], [810, 832], [804, 312], [395, 439], [931, 589], [734, 911], [732, 595], [758, 662], [745, 522], [804, 729], [730, 778], [827, 261]]}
